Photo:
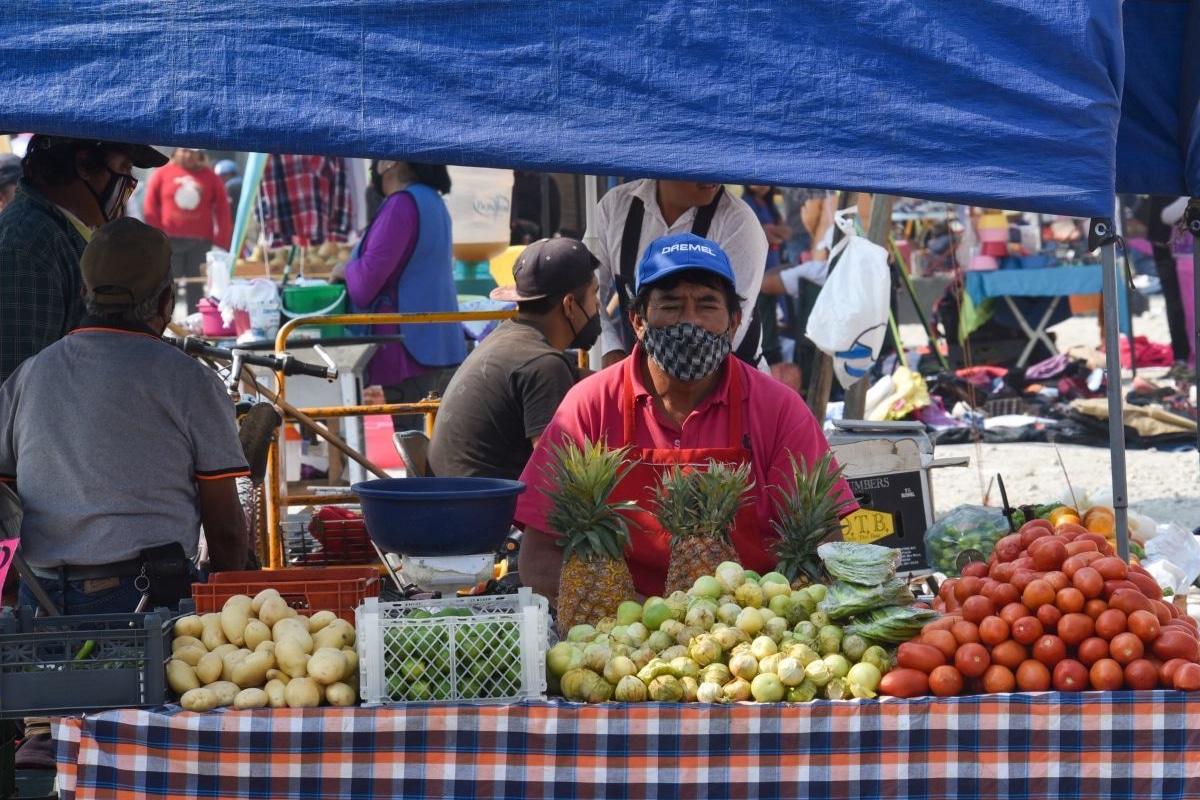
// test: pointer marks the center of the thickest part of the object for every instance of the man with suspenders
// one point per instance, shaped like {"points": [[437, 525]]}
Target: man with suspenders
{"points": [[632, 215]]}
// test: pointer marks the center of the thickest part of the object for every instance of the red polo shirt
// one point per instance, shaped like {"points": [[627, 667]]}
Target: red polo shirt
{"points": [[776, 420]]}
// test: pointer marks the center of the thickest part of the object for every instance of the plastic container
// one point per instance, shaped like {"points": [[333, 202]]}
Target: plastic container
{"points": [[336, 589], [48, 667], [210, 318], [315, 300], [438, 516], [495, 652], [480, 210]]}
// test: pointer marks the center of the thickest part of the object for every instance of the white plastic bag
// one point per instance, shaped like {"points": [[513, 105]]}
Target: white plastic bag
{"points": [[1173, 557], [849, 319]]}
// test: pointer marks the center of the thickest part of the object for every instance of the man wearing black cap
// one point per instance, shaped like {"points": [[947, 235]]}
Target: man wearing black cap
{"points": [[122, 467], [505, 393], [69, 188]]}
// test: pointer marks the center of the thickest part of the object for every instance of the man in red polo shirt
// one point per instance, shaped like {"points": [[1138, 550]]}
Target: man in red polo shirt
{"points": [[679, 398]]}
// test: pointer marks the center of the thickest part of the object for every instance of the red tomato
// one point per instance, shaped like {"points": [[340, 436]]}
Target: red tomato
{"points": [[1144, 625], [1111, 568], [923, 657], [1129, 600], [972, 660], [1048, 615], [945, 681], [1033, 676], [1166, 672], [1126, 647], [1089, 581], [1075, 627], [1027, 629], [1049, 650], [1106, 675], [1010, 653], [1070, 676], [967, 586], [993, 630], [974, 609], [904, 682], [1110, 623], [975, 569], [1187, 678], [1092, 650], [941, 639], [1069, 600], [998, 679], [1141, 674], [1176, 644]]}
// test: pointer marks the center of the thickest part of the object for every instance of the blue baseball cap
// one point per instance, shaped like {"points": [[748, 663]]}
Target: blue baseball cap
{"points": [[681, 251]]}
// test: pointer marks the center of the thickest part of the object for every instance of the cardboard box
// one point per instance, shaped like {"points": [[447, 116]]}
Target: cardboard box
{"points": [[894, 511], [887, 466]]}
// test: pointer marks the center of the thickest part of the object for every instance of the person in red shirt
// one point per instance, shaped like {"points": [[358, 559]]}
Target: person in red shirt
{"points": [[679, 398], [186, 200]]}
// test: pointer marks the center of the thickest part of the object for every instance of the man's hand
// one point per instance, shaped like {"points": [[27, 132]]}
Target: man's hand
{"points": [[612, 357], [224, 522]]}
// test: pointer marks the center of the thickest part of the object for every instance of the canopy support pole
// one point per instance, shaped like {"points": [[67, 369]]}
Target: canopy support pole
{"points": [[1102, 235], [1191, 218]]}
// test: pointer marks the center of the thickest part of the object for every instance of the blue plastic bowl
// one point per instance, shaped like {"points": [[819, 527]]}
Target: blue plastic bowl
{"points": [[438, 516]]}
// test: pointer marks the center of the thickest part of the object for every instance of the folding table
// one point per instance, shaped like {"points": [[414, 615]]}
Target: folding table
{"points": [[1052, 282]]}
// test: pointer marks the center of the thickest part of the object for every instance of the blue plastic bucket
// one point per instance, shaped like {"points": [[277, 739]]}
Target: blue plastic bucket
{"points": [[438, 516]]}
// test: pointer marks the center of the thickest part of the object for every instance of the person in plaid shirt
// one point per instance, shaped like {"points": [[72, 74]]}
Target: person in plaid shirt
{"points": [[69, 188]]}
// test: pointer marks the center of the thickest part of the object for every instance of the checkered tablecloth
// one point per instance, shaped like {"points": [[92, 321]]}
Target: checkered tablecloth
{"points": [[1125, 744]]}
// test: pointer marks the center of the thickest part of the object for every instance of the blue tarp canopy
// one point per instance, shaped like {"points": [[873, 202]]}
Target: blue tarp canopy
{"points": [[1158, 141], [1005, 103]]}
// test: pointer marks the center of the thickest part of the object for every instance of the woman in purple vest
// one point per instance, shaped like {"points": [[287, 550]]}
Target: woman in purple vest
{"points": [[404, 262]]}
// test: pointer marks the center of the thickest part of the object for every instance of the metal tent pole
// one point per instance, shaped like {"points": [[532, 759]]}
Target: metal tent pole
{"points": [[1191, 218], [1103, 236]]}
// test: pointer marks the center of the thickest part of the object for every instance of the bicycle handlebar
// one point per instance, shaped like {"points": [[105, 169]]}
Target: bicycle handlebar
{"points": [[285, 363]]}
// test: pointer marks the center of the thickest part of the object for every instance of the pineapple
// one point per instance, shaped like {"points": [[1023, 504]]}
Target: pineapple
{"points": [[806, 516], [594, 578], [697, 507]]}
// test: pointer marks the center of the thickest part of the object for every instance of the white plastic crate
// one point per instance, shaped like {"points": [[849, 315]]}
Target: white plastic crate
{"points": [[495, 650]]}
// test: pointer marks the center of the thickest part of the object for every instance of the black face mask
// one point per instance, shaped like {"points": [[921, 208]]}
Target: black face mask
{"points": [[115, 195], [586, 336]]}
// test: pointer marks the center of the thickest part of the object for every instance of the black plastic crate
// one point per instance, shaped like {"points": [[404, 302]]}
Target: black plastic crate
{"points": [[48, 668]]}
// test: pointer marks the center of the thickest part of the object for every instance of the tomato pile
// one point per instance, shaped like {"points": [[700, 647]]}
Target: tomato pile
{"points": [[1054, 608]]}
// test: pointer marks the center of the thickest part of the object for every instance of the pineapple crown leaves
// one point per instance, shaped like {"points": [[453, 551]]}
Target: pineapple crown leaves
{"points": [[702, 502], [582, 478], [807, 512]]}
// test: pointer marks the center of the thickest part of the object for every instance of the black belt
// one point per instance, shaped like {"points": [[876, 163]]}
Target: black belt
{"points": [[91, 572]]}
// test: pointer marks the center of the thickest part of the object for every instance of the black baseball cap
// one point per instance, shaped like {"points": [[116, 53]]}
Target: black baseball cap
{"points": [[143, 156], [547, 268]]}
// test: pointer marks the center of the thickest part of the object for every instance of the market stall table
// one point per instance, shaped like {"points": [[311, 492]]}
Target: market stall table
{"points": [[1048, 744], [1052, 282]]}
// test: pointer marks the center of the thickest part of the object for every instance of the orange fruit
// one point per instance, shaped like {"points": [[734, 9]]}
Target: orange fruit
{"points": [[1063, 514], [1100, 519]]}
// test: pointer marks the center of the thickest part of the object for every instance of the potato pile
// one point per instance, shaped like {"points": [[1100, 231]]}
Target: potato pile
{"points": [[318, 259], [259, 652]]}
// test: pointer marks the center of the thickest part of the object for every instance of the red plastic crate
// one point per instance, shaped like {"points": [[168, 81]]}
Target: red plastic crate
{"points": [[337, 589]]}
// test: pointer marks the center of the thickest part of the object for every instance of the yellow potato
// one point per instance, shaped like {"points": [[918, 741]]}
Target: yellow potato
{"points": [[213, 636], [187, 641], [339, 694], [226, 692], [327, 666], [202, 699], [251, 698], [181, 677], [208, 668], [189, 626], [274, 690], [302, 693], [261, 598], [319, 620], [255, 633], [291, 657], [189, 655], [234, 616], [252, 671]]}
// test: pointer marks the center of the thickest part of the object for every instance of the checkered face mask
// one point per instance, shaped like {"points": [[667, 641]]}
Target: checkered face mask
{"points": [[685, 351]]}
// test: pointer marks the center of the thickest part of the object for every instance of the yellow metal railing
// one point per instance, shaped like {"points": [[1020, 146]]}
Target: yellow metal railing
{"points": [[278, 499]]}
